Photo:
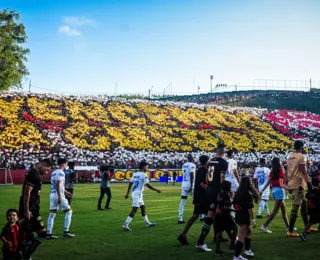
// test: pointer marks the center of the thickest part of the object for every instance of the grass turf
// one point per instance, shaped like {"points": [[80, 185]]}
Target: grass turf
{"points": [[99, 234]]}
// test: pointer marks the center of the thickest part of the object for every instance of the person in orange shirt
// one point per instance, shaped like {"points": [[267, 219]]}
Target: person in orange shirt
{"points": [[297, 181]]}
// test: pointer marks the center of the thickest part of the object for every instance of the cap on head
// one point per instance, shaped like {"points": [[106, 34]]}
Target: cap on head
{"points": [[143, 164], [298, 145], [62, 161]]}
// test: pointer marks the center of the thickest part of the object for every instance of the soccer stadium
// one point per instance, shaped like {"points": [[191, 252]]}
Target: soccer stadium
{"points": [[226, 171]]}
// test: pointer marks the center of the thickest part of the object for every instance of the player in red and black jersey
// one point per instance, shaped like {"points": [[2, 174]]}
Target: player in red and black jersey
{"points": [[10, 236], [224, 221], [216, 175], [243, 204], [29, 209], [201, 205]]}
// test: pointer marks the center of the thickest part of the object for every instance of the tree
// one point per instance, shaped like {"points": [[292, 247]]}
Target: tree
{"points": [[13, 54]]}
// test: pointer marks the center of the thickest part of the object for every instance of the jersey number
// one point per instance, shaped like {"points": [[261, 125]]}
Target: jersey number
{"points": [[210, 173], [135, 185], [54, 185], [184, 175], [261, 180]]}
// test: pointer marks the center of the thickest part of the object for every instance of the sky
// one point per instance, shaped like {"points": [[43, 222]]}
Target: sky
{"points": [[128, 46]]}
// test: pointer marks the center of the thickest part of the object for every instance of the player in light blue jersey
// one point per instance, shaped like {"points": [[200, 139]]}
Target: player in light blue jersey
{"points": [[188, 171], [262, 175], [58, 200], [138, 180]]}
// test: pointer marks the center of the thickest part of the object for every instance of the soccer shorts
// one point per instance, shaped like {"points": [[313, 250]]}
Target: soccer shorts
{"points": [[201, 209], [212, 198], [137, 201], [266, 194], [224, 222], [35, 224], [186, 193], [54, 203], [233, 180], [243, 217]]}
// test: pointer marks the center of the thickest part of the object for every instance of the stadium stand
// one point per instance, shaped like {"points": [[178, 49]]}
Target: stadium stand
{"points": [[96, 130]]}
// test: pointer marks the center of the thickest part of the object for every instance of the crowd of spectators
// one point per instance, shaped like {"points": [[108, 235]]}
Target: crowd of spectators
{"points": [[95, 130], [229, 97]]}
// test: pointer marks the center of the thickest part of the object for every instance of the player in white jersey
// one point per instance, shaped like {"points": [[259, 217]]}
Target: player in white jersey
{"points": [[232, 172], [58, 200], [138, 180], [188, 171], [262, 175]]}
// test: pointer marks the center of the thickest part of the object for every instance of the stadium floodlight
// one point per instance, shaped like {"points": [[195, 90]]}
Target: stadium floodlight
{"points": [[211, 78]]}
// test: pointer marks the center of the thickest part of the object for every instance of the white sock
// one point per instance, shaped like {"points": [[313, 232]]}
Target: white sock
{"points": [[50, 222], [181, 207], [266, 207], [129, 219], [261, 207], [146, 219], [67, 220]]}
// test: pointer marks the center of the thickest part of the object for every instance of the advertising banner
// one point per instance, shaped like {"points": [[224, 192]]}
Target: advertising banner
{"points": [[153, 174]]}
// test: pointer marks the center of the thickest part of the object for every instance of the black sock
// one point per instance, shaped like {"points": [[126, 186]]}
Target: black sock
{"points": [[205, 230], [247, 243], [239, 246], [35, 243]]}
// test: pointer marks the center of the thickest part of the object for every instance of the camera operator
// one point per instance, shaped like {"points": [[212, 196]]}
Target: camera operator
{"points": [[105, 187]]}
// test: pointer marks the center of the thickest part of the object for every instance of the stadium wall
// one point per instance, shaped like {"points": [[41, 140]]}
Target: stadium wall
{"points": [[119, 175]]}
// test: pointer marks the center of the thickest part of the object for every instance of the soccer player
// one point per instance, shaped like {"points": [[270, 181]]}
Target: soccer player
{"points": [[224, 220], [70, 180], [138, 180], [105, 187], [58, 200], [188, 170], [297, 182], [10, 237], [232, 173], [262, 175], [201, 206], [215, 177], [29, 208]]}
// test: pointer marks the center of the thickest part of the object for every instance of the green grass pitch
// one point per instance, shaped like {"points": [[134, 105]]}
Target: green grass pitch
{"points": [[99, 234]]}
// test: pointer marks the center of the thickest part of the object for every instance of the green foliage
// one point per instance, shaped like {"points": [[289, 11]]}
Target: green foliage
{"points": [[99, 234], [13, 54]]}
